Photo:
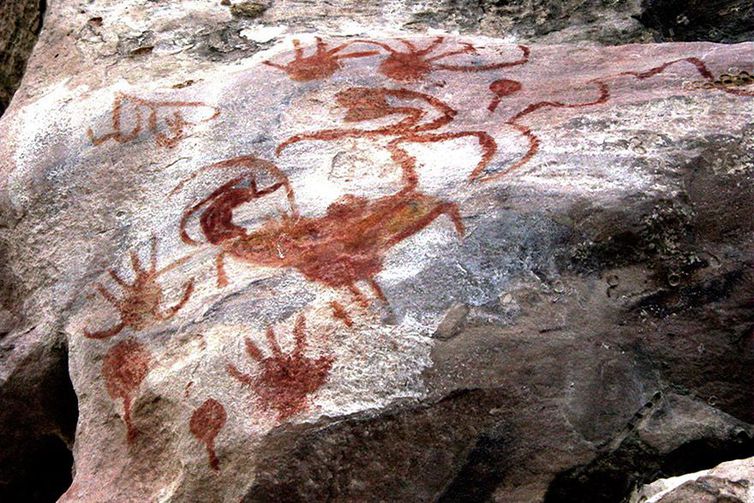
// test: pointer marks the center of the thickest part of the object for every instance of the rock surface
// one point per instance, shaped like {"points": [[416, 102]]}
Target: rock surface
{"points": [[20, 23], [730, 482], [359, 268]]}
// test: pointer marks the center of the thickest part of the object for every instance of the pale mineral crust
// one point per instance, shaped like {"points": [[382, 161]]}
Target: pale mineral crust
{"points": [[364, 266]]}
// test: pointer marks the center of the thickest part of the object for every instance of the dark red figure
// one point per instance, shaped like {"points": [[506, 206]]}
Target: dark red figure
{"points": [[323, 63], [348, 244], [414, 64], [124, 368], [508, 87], [502, 88], [206, 422], [216, 220], [285, 380], [133, 109], [141, 306], [339, 249], [363, 104]]}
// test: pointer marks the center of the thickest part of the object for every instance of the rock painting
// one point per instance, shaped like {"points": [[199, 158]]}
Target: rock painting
{"points": [[323, 63], [165, 120], [345, 246], [206, 422], [141, 305], [410, 65], [216, 219], [363, 104], [124, 368], [502, 88], [285, 380], [415, 63], [505, 87], [348, 244]]}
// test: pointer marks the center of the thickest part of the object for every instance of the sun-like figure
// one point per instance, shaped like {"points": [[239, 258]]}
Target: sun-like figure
{"points": [[141, 306], [415, 63], [323, 63]]}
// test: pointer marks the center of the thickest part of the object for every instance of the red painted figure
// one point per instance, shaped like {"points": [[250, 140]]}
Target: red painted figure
{"points": [[285, 381], [124, 368], [323, 63], [141, 306], [410, 65], [414, 64], [345, 246], [206, 422], [217, 218], [131, 109], [504, 87], [364, 104]]}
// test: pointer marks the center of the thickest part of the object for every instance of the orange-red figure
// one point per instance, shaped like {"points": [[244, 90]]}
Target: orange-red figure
{"points": [[131, 115], [206, 422], [362, 104], [414, 64], [285, 381], [504, 87], [124, 368], [323, 63], [700, 67], [348, 244], [345, 246], [141, 305]]}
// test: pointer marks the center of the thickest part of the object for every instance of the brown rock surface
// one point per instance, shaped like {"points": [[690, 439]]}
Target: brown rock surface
{"points": [[20, 23]]}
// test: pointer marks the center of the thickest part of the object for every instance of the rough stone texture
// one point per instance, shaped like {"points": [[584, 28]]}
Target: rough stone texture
{"points": [[206, 30], [717, 21], [512, 273], [20, 23], [728, 482], [38, 417]]}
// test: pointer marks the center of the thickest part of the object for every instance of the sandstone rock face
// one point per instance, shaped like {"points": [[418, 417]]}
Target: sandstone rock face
{"points": [[726, 21], [372, 268], [729, 481]]}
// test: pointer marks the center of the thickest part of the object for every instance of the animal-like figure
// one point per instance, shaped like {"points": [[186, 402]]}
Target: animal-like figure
{"points": [[364, 104], [340, 249]]}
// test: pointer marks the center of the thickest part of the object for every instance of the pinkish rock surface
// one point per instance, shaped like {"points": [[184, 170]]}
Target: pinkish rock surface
{"points": [[730, 481]]}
